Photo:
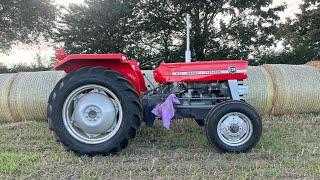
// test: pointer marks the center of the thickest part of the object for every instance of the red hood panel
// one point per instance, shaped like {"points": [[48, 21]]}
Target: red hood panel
{"points": [[202, 71]]}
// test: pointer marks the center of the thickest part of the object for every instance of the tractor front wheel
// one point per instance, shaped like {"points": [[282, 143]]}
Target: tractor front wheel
{"points": [[94, 111], [233, 126]]}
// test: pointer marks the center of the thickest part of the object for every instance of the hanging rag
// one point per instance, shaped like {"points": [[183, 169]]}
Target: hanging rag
{"points": [[166, 110]]}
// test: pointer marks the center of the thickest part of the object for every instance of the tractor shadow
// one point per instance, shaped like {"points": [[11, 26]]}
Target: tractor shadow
{"points": [[183, 135]]}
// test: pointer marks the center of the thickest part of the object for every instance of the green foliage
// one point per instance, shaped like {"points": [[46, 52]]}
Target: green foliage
{"points": [[156, 28], [12, 161], [221, 29], [300, 55], [22, 67], [4, 68], [301, 36], [305, 30], [24, 21], [97, 27], [27, 68]]}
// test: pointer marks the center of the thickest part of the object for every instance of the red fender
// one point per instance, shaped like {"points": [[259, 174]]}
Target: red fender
{"points": [[116, 62]]}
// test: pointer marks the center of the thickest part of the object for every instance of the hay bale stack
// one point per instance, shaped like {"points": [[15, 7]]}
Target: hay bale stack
{"points": [[314, 64], [261, 90], [29, 94], [296, 89], [149, 79], [273, 89], [5, 85]]}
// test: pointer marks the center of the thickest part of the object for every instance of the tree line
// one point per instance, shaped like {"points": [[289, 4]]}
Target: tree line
{"points": [[155, 29], [23, 67]]}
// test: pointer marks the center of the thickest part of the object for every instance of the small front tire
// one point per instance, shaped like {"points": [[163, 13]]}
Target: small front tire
{"points": [[233, 126]]}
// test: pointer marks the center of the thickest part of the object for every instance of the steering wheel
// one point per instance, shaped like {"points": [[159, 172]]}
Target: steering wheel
{"points": [[152, 64]]}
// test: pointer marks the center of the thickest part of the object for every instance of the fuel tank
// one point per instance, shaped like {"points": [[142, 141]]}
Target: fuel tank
{"points": [[205, 71]]}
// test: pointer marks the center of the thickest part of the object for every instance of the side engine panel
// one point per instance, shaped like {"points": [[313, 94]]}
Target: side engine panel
{"points": [[199, 94], [197, 98], [199, 86]]}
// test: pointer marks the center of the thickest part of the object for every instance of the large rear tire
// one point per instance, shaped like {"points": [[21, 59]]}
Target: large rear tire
{"points": [[94, 111], [233, 126]]}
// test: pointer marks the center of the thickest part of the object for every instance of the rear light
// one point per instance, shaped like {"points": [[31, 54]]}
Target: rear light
{"points": [[60, 54]]}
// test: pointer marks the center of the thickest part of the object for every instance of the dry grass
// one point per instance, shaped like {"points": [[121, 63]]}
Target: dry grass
{"points": [[289, 149]]}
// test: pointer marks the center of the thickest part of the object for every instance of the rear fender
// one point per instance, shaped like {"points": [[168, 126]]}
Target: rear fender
{"points": [[116, 62]]}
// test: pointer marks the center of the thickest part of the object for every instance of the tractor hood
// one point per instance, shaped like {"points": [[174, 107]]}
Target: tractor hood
{"points": [[206, 71]]}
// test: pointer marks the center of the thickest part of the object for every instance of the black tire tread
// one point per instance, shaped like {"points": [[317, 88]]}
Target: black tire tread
{"points": [[131, 96], [217, 108]]}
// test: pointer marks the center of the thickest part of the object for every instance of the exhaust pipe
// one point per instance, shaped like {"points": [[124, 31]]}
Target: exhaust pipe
{"points": [[188, 51]]}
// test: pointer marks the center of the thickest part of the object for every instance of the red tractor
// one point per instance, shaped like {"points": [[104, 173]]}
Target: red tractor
{"points": [[99, 105]]}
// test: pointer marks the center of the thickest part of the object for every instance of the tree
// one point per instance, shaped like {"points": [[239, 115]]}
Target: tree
{"points": [[98, 26], [24, 21], [298, 56], [302, 35], [221, 28], [3, 68]]}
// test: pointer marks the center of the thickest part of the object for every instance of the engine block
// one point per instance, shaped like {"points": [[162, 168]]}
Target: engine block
{"points": [[197, 98]]}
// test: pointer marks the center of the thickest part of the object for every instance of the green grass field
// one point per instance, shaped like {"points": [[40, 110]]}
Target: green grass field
{"points": [[288, 149]]}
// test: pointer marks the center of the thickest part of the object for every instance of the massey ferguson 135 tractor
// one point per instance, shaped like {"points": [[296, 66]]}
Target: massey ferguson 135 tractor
{"points": [[99, 105]]}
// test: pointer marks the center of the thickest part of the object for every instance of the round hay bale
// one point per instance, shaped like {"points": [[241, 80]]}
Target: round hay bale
{"points": [[314, 64], [149, 79], [29, 94], [296, 89], [5, 85], [261, 90]]}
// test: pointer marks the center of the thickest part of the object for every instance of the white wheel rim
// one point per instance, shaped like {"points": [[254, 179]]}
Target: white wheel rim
{"points": [[234, 129], [80, 132]]}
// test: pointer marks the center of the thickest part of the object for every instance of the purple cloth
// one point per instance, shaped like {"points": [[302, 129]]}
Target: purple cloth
{"points": [[166, 110]]}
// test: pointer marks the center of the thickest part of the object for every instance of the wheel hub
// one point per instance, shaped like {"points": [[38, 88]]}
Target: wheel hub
{"points": [[94, 114], [234, 129]]}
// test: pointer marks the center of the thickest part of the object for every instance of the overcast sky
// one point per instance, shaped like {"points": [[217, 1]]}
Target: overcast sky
{"points": [[26, 54]]}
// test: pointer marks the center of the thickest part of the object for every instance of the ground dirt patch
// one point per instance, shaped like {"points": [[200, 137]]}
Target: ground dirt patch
{"points": [[288, 149]]}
